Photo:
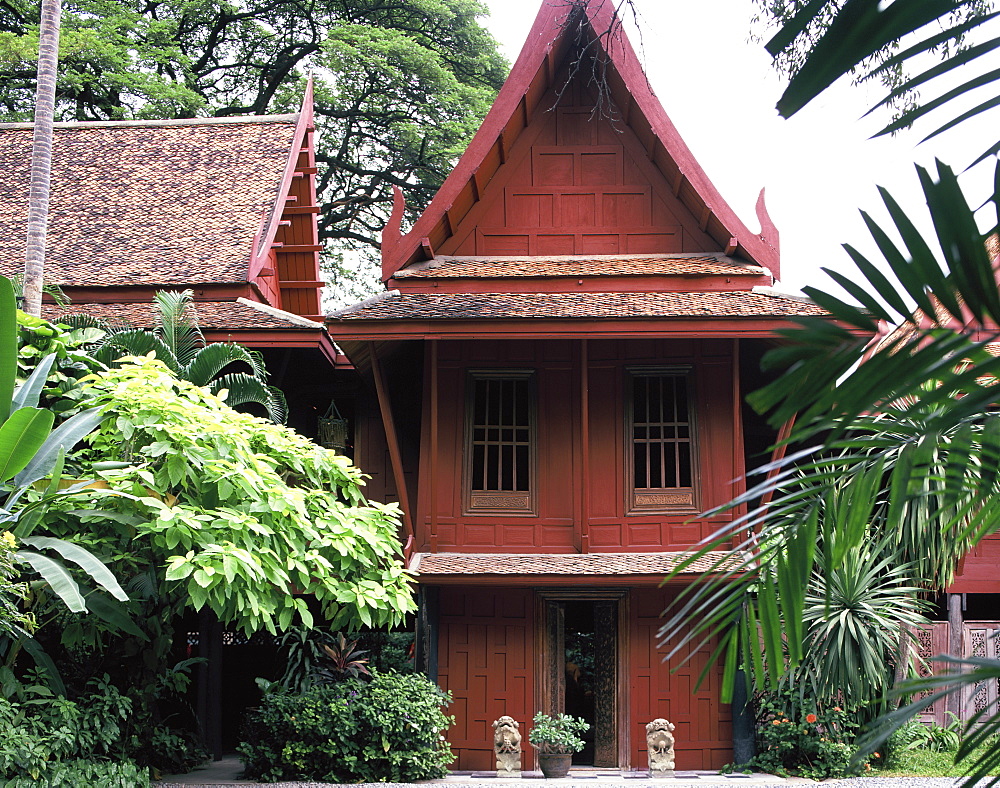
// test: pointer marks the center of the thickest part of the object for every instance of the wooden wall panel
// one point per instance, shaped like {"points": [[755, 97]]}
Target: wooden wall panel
{"points": [[978, 571], [557, 525], [486, 660], [704, 725]]}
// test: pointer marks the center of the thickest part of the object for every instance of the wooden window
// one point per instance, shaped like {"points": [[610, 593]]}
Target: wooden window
{"points": [[661, 440], [500, 438]]}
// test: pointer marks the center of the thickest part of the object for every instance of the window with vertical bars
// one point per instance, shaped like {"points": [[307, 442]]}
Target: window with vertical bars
{"points": [[660, 440], [499, 446]]}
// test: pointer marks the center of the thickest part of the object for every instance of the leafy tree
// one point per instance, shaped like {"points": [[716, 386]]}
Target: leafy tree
{"points": [[400, 85], [177, 341], [246, 516], [928, 476]]}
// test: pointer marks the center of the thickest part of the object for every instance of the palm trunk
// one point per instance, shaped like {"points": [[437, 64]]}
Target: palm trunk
{"points": [[41, 156]]}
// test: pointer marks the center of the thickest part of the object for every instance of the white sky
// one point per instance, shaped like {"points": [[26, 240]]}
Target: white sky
{"points": [[819, 167]]}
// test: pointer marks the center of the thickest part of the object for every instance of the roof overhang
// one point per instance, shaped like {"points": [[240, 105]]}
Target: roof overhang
{"points": [[620, 569]]}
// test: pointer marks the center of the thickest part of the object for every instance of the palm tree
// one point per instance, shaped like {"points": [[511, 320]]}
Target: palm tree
{"points": [[177, 341], [41, 156], [925, 472]]}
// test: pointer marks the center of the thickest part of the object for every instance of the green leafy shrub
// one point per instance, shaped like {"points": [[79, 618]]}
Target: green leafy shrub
{"points": [[93, 774], [919, 736], [388, 729], [45, 738], [797, 735]]}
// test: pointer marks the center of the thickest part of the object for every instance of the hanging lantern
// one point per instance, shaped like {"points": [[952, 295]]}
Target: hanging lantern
{"points": [[332, 432]]}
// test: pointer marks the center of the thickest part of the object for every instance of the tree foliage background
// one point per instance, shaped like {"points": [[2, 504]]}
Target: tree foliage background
{"points": [[400, 85]]}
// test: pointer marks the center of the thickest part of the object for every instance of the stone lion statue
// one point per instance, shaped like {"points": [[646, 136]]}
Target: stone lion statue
{"points": [[660, 745], [507, 746]]}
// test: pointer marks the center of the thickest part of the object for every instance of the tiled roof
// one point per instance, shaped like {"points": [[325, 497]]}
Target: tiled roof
{"points": [[155, 203], [475, 306], [562, 563], [597, 265], [212, 315]]}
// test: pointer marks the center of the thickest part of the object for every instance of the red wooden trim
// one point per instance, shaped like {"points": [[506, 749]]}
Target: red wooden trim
{"points": [[743, 328], [434, 394], [144, 294], [309, 284], [693, 283], [297, 209], [777, 454], [533, 581], [301, 140], [395, 457], [584, 447], [293, 248], [739, 459]]}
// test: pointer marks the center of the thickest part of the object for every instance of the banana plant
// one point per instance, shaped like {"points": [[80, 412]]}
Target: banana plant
{"points": [[30, 450]]}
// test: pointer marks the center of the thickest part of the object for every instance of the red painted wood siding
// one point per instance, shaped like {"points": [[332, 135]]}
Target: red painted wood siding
{"points": [[575, 184], [978, 571], [485, 661], [557, 526], [703, 725]]}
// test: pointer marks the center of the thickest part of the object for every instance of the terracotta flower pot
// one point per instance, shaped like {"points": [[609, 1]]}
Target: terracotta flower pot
{"points": [[555, 764]]}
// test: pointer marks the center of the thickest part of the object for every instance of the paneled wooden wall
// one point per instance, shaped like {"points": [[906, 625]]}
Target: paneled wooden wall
{"points": [[485, 661], [557, 525], [703, 735]]}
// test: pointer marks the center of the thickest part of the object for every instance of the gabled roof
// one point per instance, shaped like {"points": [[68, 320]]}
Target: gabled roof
{"points": [[225, 206], [533, 77], [161, 203]]}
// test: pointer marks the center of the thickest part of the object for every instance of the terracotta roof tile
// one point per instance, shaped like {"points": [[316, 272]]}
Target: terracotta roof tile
{"points": [[425, 564], [476, 306], [577, 266], [212, 315], [162, 203]]}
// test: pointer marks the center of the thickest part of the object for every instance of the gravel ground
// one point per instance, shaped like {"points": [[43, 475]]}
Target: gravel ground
{"points": [[680, 782]]}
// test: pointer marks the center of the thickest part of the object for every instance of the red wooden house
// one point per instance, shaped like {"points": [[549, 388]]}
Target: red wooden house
{"points": [[560, 360]]}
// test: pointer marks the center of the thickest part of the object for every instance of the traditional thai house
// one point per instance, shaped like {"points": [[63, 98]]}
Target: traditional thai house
{"points": [[560, 360]]}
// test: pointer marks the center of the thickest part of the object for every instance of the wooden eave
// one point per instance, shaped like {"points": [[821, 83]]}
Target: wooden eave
{"points": [[350, 332], [590, 284], [530, 81]]}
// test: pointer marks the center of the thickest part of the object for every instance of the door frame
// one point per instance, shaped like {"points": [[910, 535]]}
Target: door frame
{"points": [[549, 685]]}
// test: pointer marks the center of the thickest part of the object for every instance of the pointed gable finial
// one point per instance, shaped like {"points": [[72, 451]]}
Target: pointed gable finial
{"points": [[307, 103], [391, 231], [769, 235]]}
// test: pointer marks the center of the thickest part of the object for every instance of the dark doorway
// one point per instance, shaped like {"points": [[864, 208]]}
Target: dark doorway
{"points": [[582, 646]]}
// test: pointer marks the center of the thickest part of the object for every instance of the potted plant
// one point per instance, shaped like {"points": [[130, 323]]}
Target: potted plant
{"points": [[556, 739]]}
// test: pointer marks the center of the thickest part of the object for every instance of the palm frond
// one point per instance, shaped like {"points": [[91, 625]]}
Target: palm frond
{"points": [[178, 326], [246, 389], [861, 28], [135, 342], [210, 361]]}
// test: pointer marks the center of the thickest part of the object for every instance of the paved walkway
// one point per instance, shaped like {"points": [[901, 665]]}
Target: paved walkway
{"points": [[228, 772]]}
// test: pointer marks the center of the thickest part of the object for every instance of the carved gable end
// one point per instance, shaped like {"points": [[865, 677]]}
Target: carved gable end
{"points": [[577, 159]]}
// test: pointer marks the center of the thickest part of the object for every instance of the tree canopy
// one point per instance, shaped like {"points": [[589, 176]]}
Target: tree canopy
{"points": [[400, 85]]}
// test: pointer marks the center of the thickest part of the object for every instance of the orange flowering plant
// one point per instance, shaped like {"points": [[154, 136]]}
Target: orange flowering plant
{"points": [[797, 735]]}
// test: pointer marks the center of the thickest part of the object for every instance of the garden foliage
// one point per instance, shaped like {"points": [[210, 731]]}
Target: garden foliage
{"points": [[388, 729], [50, 740], [247, 515], [796, 735]]}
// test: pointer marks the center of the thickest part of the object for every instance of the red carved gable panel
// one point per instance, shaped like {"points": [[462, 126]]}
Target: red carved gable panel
{"points": [[574, 183]]}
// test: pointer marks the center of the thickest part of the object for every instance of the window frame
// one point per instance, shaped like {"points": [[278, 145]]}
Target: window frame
{"points": [[661, 500], [506, 502]]}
